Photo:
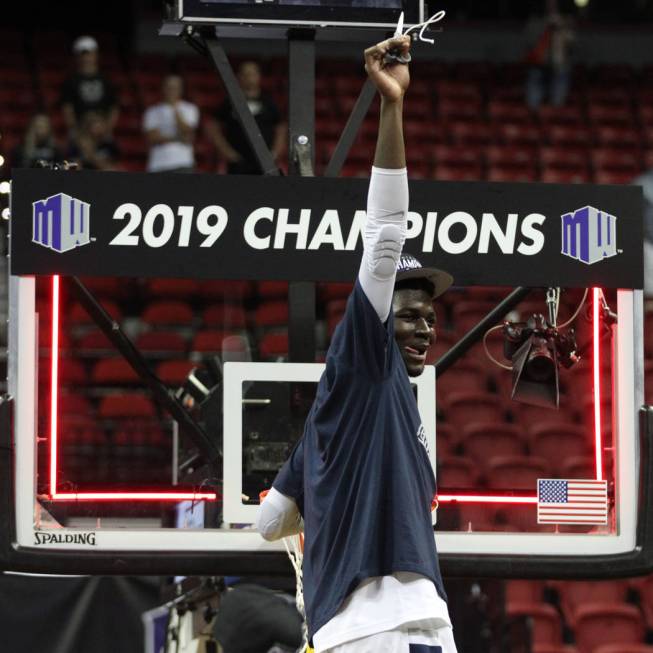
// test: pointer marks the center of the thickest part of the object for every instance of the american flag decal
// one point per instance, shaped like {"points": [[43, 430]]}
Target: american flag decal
{"points": [[582, 501]]}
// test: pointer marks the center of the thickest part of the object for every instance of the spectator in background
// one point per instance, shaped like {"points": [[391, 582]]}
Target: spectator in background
{"points": [[38, 144], [227, 134], [549, 57], [170, 130], [87, 89], [93, 147]]}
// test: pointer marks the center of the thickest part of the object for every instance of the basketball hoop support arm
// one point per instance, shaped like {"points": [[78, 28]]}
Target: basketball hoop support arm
{"points": [[130, 353], [477, 332]]}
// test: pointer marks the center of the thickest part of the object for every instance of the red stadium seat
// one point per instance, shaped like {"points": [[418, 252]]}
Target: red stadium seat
{"points": [[73, 404], [476, 132], [227, 291], [461, 408], [114, 371], [209, 341], [644, 587], [160, 313], [475, 516], [607, 623], [77, 314], [613, 177], [484, 440], [173, 288], [605, 114], [576, 593], [274, 313], [558, 156], [568, 135], [95, 342], [553, 648], [272, 289], [621, 158], [512, 173], [126, 405], [516, 472], [506, 111], [565, 176], [516, 155], [444, 172], [174, 372], [557, 443], [617, 136], [565, 115], [334, 291], [547, 628], [459, 89], [224, 315], [524, 591], [456, 473], [71, 372], [465, 375], [624, 648], [161, 341], [466, 314], [512, 133], [273, 345], [458, 154], [452, 108]]}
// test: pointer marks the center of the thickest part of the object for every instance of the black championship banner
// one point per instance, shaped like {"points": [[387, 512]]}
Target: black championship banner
{"points": [[309, 229]]}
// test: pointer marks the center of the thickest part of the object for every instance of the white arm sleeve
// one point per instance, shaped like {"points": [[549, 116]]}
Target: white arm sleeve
{"points": [[278, 516], [383, 237]]}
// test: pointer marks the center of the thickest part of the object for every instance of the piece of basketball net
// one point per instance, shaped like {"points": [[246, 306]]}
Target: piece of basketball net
{"points": [[295, 550], [394, 55]]}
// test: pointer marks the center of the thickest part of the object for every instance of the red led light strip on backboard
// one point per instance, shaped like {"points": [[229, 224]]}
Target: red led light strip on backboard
{"points": [[210, 496], [54, 393]]}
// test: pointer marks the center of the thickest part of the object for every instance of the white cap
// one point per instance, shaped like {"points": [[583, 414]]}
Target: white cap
{"points": [[85, 44]]}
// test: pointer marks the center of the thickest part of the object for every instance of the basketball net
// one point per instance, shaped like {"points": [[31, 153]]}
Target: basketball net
{"points": [[295, 549]]}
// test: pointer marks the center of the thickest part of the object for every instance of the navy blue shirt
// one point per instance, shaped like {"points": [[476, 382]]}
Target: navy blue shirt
{"points": [[360, 471]]}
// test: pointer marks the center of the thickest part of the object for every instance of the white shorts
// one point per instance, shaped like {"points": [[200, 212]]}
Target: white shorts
{"points": [[402, 640]]}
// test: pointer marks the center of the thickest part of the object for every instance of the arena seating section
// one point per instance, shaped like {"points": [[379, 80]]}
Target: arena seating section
{"points": [[464, 121]]}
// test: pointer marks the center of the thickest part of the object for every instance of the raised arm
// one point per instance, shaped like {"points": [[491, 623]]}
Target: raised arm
{"points": [[387, 201]]}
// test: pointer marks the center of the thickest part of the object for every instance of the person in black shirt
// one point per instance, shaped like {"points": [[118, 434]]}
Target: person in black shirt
{"points": [[93, 147], [38, 144], [227, 134], [87, 89]]}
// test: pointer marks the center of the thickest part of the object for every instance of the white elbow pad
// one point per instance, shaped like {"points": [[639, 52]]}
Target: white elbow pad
{"points": [[385, 252]]}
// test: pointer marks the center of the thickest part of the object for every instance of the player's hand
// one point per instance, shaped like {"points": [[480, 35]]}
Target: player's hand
{"points": [[391, 79]]}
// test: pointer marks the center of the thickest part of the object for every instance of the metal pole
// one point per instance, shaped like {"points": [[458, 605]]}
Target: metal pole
{"points": [[301, 154], [161, 393], [239, 103], [477, 332], [350, 131]]}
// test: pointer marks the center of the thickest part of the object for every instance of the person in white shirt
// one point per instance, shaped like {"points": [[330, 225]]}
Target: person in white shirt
{"points": [[360, 475], [170, 130]]}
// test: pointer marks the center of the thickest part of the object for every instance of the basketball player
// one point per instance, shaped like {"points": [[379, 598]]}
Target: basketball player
{"points": [[360, 475]]}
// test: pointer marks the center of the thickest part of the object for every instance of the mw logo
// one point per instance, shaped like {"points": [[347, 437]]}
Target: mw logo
{"points": [[589, 235], [60, 222]]}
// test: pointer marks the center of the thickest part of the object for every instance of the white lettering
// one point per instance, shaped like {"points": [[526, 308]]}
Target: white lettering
{"points": [[328, 232], [530, 232], [490, 226], [457, 217], [158, 213], [429, 231], [300, 228], [356, 230], [249, 230], [414, 226]]}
